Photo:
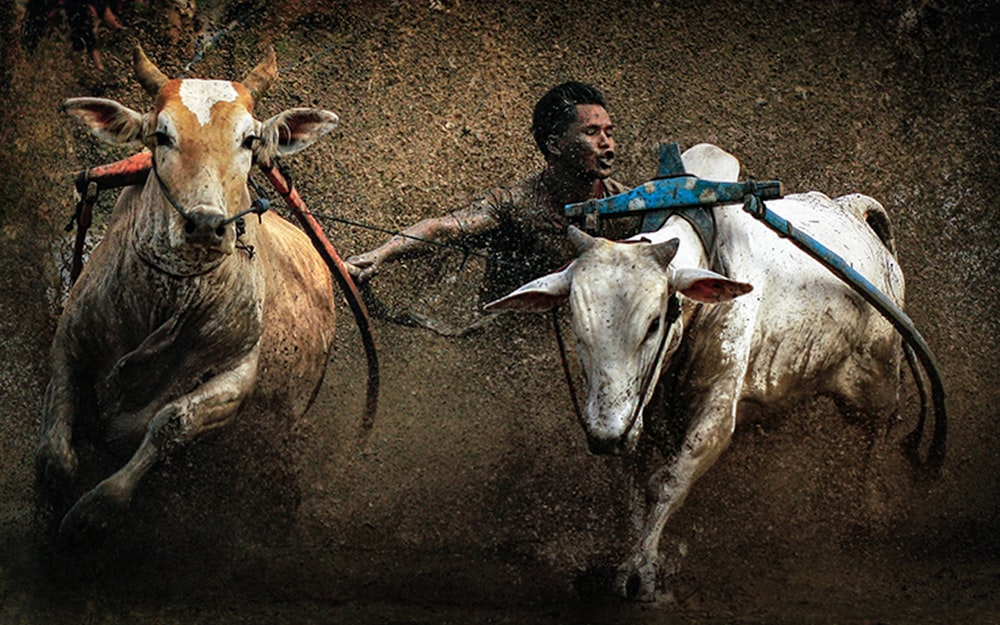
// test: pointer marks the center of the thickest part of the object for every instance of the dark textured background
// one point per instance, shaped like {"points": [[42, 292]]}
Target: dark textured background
{"points": [[475, 500]]}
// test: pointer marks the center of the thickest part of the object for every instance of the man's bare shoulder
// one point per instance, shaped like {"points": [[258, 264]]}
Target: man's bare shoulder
{"points": [[517, 191], [498, 204], [503, 199]]}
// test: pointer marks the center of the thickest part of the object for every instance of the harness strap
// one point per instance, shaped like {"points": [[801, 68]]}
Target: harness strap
{"points": [[257, 207], [673, 314], [565, 365], [701, 218]]}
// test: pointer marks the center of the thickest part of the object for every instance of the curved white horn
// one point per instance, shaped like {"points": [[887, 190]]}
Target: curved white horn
{"points": [[665, 252], [580, 240]]}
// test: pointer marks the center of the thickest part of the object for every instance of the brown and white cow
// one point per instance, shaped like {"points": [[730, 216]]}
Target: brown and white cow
{"points": [[777, 329], [178, 319]]}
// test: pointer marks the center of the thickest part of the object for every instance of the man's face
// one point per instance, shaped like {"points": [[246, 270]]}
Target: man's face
{"points": [[588, 145]]}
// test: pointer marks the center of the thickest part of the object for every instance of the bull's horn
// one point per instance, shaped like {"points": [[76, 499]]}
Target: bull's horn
{"points": [[665, 252], [580, 240], [146, 73], [261, 77]]}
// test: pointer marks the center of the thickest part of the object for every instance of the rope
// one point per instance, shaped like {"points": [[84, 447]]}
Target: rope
{"points": [[565, 366], [208, 45], [465, 249], [258, 207]]}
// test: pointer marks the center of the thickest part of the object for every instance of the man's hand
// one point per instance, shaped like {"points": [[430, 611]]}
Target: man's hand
{"points": [[363, 266]]}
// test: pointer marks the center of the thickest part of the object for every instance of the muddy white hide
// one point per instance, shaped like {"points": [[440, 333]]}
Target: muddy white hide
{"points": [[764, 324]]}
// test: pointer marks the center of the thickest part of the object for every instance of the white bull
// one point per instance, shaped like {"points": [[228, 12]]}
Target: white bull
{"points": [[780, 328]]}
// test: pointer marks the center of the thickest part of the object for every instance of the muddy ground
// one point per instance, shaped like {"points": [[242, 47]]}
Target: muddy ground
{"points": [[475, 500]]}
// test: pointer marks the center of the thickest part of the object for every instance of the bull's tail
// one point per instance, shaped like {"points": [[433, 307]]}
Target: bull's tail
{"points": [[878, 221], [911, 443], [916, 349]]}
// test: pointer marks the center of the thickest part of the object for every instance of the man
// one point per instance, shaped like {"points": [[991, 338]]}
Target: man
{"points": [[524, 224]]}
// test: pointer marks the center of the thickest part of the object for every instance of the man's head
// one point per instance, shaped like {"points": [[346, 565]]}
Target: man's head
{"points": [[571, 126]]}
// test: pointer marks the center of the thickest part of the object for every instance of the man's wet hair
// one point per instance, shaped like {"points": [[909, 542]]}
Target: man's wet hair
{"points": [[556, 110]]}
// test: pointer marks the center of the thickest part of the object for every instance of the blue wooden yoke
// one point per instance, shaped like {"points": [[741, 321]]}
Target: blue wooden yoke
{"points": [[673, 192], [659, 197], [672, 189]]}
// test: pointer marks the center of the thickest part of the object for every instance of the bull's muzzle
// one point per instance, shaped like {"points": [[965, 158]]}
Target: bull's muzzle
{"points": [[605, 446], [205, 226], [613, 434]]}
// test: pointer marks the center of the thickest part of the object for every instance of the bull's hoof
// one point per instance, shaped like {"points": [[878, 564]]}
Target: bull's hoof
{"points": [[636, 581], [55, 467], [93, 517]]}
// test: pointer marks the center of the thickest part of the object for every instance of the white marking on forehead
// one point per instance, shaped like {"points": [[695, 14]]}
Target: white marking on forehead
{"points": [[199, 96]]}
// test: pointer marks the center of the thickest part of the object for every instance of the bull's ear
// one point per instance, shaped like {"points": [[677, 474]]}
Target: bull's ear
{"points": [[539, 295], [707, 286], [296, 129], [107, 119]]}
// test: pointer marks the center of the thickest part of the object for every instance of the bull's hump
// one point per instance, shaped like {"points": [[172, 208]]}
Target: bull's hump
{"points": [[199, 96]]}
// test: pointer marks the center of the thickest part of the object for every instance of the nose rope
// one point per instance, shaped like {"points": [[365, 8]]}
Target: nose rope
{"points": [[673, 313], [567, 372], [258, 207], [166, 192]]}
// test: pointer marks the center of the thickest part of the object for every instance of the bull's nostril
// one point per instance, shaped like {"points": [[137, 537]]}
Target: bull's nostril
{"points": [[189, 227], [633, 585], [221, 230], [602, 446]]}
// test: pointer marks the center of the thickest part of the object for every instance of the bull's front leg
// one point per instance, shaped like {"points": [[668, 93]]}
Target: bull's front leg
{"points": [[209, 406], [666, 491], [55, 460]]}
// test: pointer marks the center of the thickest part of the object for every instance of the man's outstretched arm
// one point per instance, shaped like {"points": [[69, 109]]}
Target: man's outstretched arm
{"points": [[420, 238]]}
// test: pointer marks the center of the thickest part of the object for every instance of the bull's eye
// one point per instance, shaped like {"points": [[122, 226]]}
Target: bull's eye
{"points": [[654, 327], [251, 141], [162, 139]]}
